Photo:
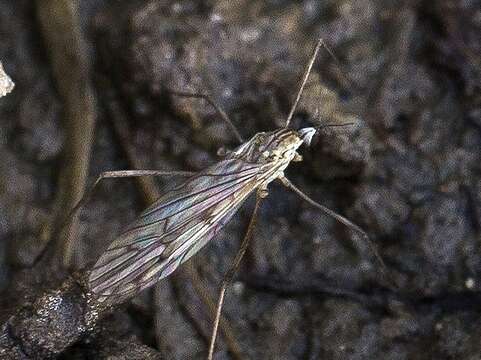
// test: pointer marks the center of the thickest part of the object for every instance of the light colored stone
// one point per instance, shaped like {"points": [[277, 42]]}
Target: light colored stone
{"points": [[6, 84]]}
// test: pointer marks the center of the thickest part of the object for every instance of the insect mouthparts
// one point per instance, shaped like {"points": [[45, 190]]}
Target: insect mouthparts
{"points": [[306, 134]]}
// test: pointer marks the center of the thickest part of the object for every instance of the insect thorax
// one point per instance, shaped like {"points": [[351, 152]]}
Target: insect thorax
{"points": [[267, 147], [273, 150]]}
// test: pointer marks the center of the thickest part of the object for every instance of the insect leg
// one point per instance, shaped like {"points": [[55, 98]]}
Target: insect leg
{"points": [[286, 182], [307, 72], [117, 174], [214, 104], [231, 272]]}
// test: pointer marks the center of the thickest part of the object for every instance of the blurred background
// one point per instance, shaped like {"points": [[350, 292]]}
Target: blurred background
{"points": [[90, 96]]}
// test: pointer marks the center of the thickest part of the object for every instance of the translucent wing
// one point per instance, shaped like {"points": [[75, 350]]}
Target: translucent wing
{"points": [[174, 228]]}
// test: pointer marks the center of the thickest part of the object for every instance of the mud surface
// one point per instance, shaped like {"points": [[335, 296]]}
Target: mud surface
{"points": [[408, 171]]}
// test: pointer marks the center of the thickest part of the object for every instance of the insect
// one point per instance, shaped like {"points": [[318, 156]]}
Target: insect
{"points": [[183, 220]]}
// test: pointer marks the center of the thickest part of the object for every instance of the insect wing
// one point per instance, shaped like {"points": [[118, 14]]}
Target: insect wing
{"points": [[173, 229]]}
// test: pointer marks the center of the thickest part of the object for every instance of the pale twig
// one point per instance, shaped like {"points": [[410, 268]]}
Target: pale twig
{"points": [[60, 27]]}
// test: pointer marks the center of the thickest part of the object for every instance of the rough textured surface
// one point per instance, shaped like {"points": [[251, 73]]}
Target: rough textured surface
{"points": [[48, 325], [408, 171], [6, 84]]}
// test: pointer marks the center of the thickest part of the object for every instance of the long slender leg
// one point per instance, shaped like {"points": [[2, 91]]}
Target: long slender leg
{"points": [[214, 104], [307, 72], [66, 220], [230, 274], [344, 221], [117, 174]]}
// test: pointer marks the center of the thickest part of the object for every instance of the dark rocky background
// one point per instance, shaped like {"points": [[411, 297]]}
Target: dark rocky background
{"points": [[408, 172]]}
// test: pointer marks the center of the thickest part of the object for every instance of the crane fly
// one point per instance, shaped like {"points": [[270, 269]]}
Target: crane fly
{"points": [[183, 220]]}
